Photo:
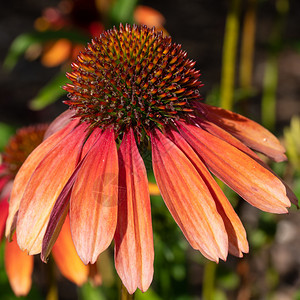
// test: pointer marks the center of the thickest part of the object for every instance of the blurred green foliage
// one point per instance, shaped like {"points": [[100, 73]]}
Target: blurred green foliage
{"points": [[22, 43]]}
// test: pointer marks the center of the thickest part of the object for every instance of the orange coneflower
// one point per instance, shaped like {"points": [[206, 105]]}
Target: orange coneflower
{"points": [[132, 88], [18, 264]]}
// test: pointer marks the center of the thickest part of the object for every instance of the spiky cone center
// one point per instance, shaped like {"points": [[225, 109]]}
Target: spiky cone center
{"points": [[21, 145], [132, 77]]}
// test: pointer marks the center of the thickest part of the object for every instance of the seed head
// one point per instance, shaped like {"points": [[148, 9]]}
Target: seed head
{"points": [[132, 77], [21, 145]]}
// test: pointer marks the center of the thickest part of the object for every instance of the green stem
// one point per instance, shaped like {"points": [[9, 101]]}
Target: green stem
{"points": [[209, 280], [268, 103], [229, 55], [271, 71], [124, 293], [247, 48]]}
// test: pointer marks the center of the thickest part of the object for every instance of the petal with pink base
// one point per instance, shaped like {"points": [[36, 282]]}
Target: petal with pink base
{"points": [[249, 132], [222, 134], [94, 199], [44, 187], [236, 232], [134, 253], [190, 201], [240, 172], [27, 170], [61, 206]]}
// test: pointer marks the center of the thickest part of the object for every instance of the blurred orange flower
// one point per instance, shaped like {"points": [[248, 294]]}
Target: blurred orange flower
{"points": [[84, 16], [145, 15]]}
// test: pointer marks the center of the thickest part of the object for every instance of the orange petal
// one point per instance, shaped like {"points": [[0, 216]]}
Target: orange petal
{"points": [[227, 137], [188, 198], [61, 206], [134, 252], [19, 267], [244, 175], [27, 170], [222, 134], [66, 257], [249, 132], [44, 187], [94, 199], [3, 215], [236, 232]]}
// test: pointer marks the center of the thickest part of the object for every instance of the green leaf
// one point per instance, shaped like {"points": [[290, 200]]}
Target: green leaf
{"points": [[49, 93], [122, 11], [6, 131], [88, 292], [149, 295], [24, 41]]}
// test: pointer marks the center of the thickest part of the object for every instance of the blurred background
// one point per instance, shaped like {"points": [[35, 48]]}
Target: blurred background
{"points": [[248, 52]]}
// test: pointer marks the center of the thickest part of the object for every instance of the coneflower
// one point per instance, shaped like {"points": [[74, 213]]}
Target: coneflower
{"points": [[133, 88]]}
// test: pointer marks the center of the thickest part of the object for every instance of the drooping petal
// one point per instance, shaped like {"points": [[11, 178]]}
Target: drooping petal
{"points": [[44, 187], [59, 123], [244, 175], [227, 137], [236, 232], [56, 221], [249, 132], [134, 253], [188, 198], [66, 257], [27, 170], [224, 135], [94, 199], [19, 267], [3, 215], [61, 206]]}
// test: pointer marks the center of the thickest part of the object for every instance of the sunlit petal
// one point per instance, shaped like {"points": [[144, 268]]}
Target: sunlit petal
{"points": [[249, 132], [236, 233], [46, 183], [27, 170], [94, 199], [244, 175], [19, 267], [190, 201], [66, 257], [219, 132], [61, 206], [134, 251], [227, 137]]}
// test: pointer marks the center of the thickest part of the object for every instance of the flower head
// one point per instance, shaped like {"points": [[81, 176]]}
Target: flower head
{"points": [[132, 88], [132, 78], [18, 264]]}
